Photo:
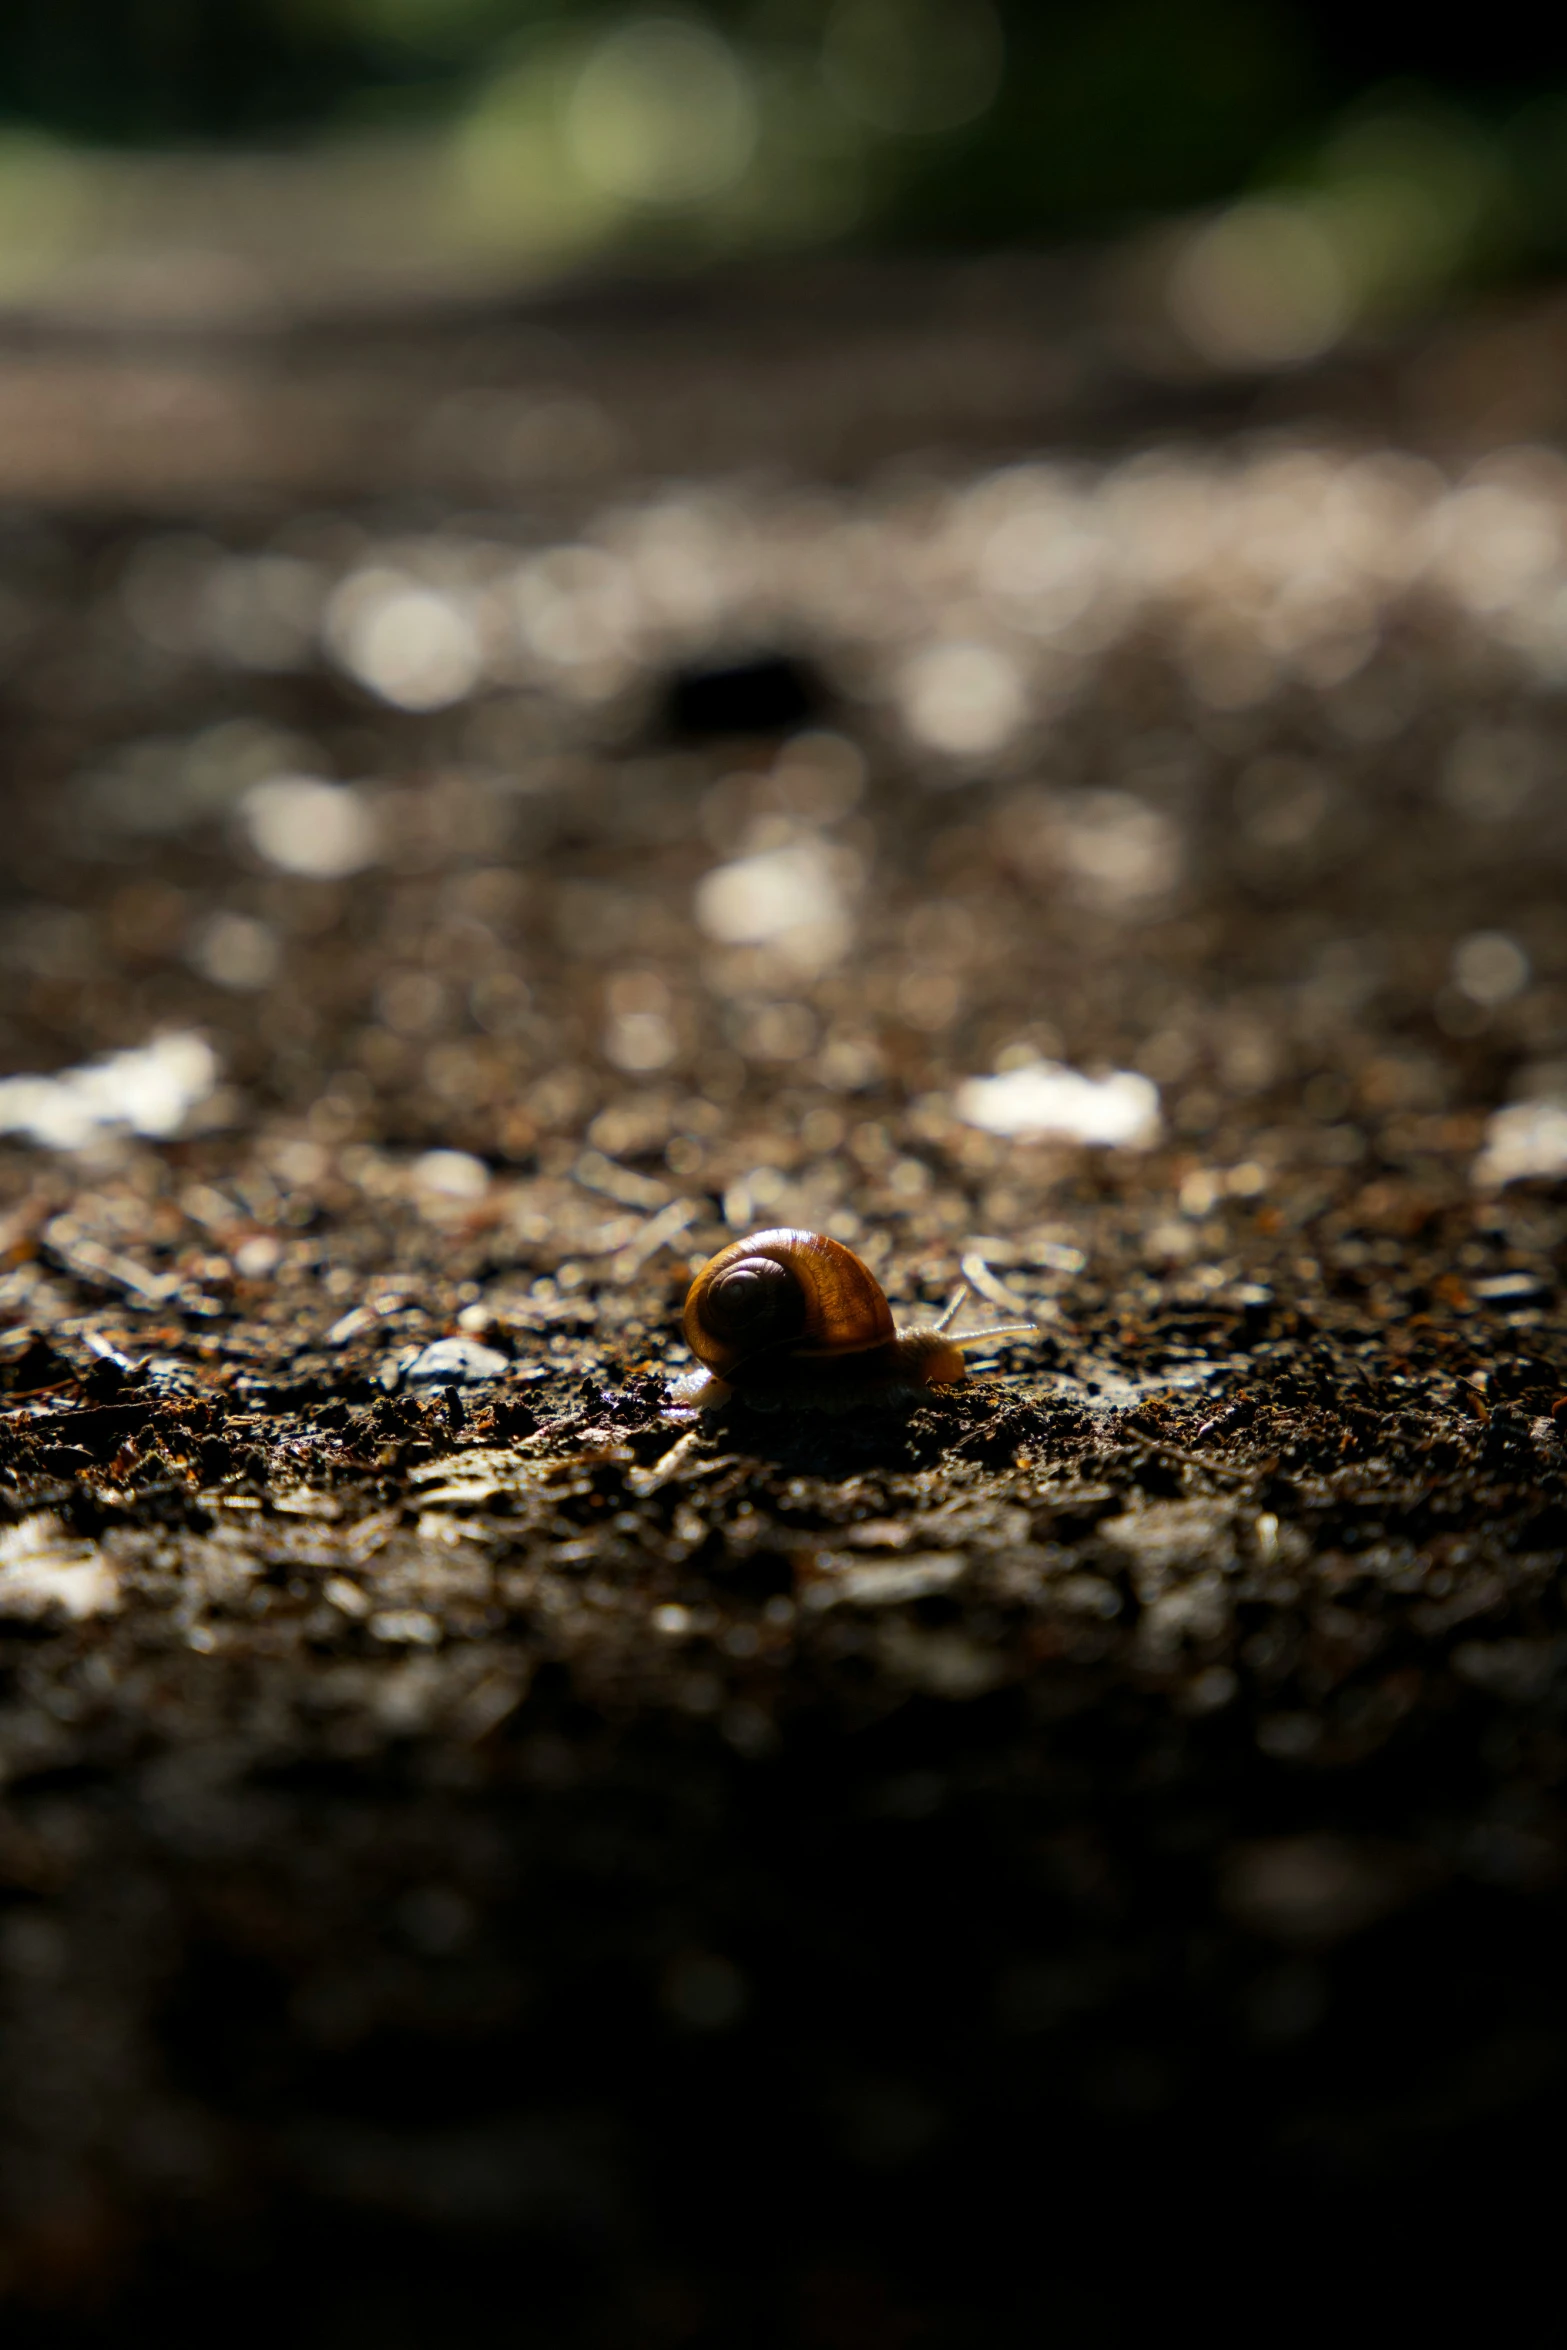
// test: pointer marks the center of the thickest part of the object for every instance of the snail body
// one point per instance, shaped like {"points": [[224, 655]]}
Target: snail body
{"points": [[794, 1317]]}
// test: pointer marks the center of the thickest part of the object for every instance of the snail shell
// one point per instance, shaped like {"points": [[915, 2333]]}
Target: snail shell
{"points": [[794, 1316]]}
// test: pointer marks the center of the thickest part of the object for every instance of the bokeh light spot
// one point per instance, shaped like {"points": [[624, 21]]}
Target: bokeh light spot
{"points": [[324, 831], [662, 113], [964, 699], [1042, 1098], [1260, 286], [1490, 968], [787, 896], [236, 951], [414, 648]]}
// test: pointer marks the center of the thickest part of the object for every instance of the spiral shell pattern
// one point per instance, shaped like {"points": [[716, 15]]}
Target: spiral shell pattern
{"points": [[783, 1296]]}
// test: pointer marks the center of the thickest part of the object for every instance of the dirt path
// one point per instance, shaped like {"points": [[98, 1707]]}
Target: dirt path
{"points": [[805, 1877]]}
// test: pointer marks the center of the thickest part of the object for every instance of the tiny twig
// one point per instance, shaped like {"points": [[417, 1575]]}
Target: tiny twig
{"points": [[1196, 1460], [645, 1481]]}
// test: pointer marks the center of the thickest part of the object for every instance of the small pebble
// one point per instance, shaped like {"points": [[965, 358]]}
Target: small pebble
{"points": [[1511, 1289], [454, 1362]]}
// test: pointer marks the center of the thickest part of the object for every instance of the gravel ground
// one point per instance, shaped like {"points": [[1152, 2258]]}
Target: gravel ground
{"points": [[1086, 1843]]}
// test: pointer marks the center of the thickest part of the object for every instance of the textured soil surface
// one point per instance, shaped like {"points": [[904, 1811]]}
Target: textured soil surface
{"points": [[1081, 1848]]}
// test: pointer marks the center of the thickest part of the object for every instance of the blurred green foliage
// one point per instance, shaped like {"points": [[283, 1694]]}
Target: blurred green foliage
{"points": [[1017, 120]]}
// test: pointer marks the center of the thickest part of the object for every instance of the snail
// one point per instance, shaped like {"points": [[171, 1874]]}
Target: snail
{"points": [[793, 1317]]}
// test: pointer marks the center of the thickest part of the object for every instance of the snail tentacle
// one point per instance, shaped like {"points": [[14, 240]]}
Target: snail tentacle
{"points": [[999, 1330], [950, 1308]]}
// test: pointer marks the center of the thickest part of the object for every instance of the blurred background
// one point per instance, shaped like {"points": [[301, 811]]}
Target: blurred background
{"points": [[212, 161], [405, 401]]}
